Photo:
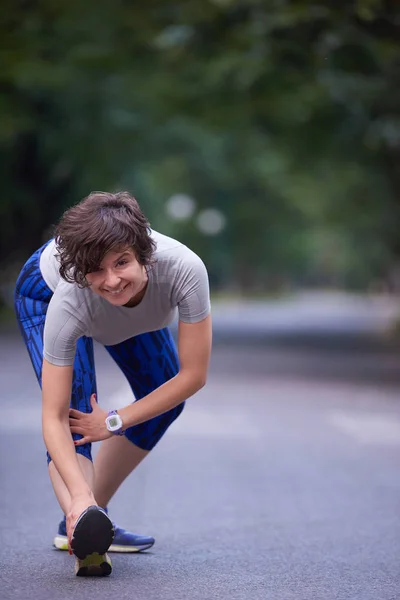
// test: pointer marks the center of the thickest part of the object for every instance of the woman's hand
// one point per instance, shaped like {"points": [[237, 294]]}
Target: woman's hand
{"points": [[78, 505], [92, 426]]}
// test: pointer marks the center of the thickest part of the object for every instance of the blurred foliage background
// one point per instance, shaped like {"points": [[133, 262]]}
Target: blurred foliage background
{"points": [[265, 134]]}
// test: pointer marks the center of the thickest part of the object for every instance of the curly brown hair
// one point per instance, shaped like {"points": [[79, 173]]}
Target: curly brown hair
{"points": [[99, 223]]}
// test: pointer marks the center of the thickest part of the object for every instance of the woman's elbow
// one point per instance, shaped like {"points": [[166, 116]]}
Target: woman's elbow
{"points": [[201, 381], [194, 380]]}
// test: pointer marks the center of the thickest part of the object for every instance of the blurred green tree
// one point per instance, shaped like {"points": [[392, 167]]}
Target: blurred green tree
{"points": [[282, 115]]}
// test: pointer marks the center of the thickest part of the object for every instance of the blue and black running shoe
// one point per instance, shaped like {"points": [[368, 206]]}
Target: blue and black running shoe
{"points": [[91, 538], [93, 532], [124, 541]]}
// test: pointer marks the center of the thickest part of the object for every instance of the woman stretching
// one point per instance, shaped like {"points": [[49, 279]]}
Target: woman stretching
{"points": [[107, 276]]}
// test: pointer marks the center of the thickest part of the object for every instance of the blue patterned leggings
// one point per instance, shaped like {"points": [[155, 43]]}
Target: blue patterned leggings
{"points": [[147, 360]]}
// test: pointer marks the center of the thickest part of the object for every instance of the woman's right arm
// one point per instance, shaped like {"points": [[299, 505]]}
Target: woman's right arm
{"points": [[56, 396]]}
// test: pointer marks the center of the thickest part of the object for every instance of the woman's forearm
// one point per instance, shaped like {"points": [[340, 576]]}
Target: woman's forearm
{"points": [[60, 446], [56, 394], [164, 398]]}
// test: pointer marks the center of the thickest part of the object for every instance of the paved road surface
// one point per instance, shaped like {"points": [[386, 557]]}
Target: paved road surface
{"points": [[280, 481]]}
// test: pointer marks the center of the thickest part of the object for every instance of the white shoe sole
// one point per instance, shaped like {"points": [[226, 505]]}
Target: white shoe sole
{"points": [[61, 543]]}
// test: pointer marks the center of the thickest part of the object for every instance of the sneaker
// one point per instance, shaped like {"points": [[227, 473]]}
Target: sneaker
{"points": [[93, 533], [94, 565], [124, 541]]}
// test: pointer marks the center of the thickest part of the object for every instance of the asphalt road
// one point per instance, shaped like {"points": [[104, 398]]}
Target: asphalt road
{"points": [[279, 481]]}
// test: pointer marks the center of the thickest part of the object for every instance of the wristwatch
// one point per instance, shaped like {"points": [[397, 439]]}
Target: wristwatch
{"points": [[114, 423]]}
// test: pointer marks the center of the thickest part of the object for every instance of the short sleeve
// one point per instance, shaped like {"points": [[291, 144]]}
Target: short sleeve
{"points": [[61, 332], [192, 290]]}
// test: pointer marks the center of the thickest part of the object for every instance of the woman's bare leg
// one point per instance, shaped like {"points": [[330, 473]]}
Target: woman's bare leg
{"points": [[116, 459]]}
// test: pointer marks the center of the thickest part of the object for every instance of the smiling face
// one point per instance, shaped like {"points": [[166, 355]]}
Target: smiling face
{"points": [[120, 278]]}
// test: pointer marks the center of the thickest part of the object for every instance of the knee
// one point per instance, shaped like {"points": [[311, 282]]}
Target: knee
{"points": [[85, 450], [179, 409], [148, 434]]}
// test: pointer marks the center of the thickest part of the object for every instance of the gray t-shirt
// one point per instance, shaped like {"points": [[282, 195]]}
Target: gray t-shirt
{"points": [[177, 281]]}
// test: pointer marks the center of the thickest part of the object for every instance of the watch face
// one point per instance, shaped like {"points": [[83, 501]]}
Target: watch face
{"points": [[113, 422]]}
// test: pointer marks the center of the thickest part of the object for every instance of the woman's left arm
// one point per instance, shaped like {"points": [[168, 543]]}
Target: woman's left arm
{"points": [[194, 350]]}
